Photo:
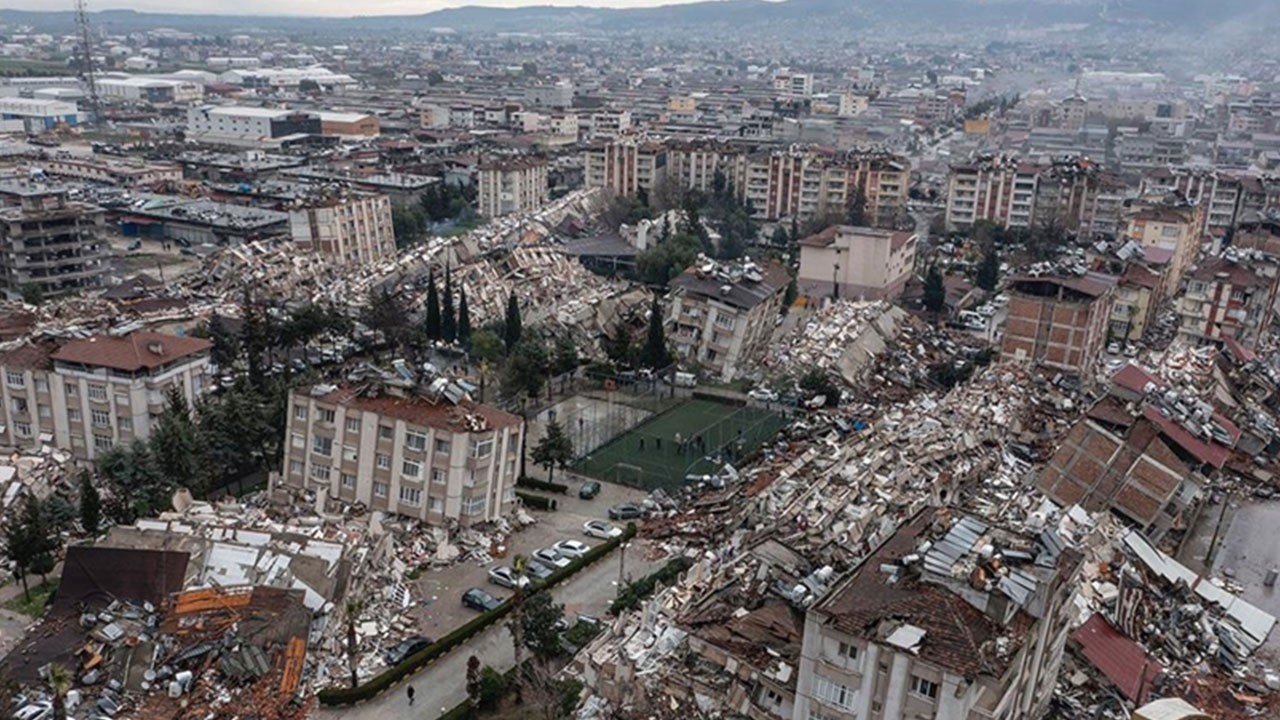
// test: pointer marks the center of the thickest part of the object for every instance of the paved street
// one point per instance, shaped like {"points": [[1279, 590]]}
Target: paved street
{"points": [[442, 685]]}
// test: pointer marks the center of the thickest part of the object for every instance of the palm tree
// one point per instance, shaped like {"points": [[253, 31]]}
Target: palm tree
{"points": [[520, 564], [354, 609], [60, 684]]}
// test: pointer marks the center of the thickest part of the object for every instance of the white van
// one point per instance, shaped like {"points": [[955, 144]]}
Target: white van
{"points": [[686, 380]]}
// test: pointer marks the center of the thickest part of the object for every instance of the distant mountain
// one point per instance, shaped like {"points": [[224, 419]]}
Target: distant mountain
{"points": [[823, 16]]}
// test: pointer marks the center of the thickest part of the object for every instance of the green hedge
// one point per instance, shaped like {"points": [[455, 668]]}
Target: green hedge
{"points": [[412, 664], [544, 486], [537, 502], [633, 594]]}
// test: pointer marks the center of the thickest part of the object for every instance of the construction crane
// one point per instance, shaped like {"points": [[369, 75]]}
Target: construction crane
{"points": [[86, 62]]}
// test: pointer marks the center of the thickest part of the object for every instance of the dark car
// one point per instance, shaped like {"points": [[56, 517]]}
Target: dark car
{"points": [[536, 570], [625, 511], [403, 649], [589, 490], [478, 599]]}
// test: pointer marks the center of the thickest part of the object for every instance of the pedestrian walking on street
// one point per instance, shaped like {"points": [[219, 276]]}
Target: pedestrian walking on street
{"points": [[409, 692]]}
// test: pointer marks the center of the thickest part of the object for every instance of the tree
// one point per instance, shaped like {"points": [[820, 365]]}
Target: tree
{"points": [[526, 368], [487, 346], [618, 345], [519, 564], [434, 78], [448, 320], [664, 261], [858, 207], [180, 453], [433, 308], [988, 275], [226, 346], [566, 358], [406, 224], [464, 320], [353, 610], [20, 551], [512, 329], [555, 448], [539, 619], [255, 336], [474, 686], [780, 237], [493, 685], [935, 291], [32, 294], [90, 506], [817, 382], [59, 685], [789, 297], [655, 354], [307, 85], [383, 313], [529, 68]]}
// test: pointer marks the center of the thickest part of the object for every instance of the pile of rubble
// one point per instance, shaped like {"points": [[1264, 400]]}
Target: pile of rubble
{"points": [[841, 337]]}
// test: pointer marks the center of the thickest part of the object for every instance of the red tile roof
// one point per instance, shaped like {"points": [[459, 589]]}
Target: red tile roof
{"points": [[1133, 378], [141, 350], [420, 410], [1122, 660], [1208, 453]]}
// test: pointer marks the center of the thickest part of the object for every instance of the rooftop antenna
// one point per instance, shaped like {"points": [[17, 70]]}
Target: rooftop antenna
{"points": [[86, 62]]}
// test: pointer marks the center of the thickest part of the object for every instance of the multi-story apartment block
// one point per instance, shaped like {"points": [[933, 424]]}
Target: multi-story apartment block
{"points": [[1219, 194], [509, 186], [49, 243], [89, 395], [348, 229], [610, 124], [912, 631], [1137, 297], [997, 190], [1228, 296], [1059, 322], [1073, 194], [1173, 227], [720, 316], [856, 262], [405, 451], [625, 166]]}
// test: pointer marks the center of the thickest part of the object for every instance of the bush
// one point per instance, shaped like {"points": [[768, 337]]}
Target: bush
{"points": [[493, 685], [544, 486], [537, 502], [441, 647], [633, 594]]}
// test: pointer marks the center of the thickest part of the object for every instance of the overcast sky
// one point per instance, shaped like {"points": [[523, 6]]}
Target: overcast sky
{"points": [[314, 7]]}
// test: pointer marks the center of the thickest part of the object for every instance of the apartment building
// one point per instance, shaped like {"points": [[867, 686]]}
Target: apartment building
{"points": [[405, 451], [998, 191], [1171, 226], [910, 632], [121, 173], [509, 186], [48, 242], [1059, 322], [721, 314], [1137, 297], [1074, 194], [1219, 195], [610, 124], [856, 263], [1228, 296], [347, 229], [89, 395], [625, 166]]}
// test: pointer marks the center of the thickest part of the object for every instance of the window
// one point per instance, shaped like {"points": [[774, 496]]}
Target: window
{"points": [[816, 714], [348, 453], [849, 651], [125, 424], [322, 445], [327, 415], [100, 418], [411, 469], [410, 496], [102, 442], [833, 693], [97, 392], [15, 379], [44, 411], [320, 472], [438, 476], [42, 385], [348, 481], [353, 425], [18, 405], [415, 440], [295, 467], [71, 388], [298, 440], [924, 688], [437, 505], [482, 449], [442, 447], [385, 432], [73, 414], [299, 412], [22, 429], [473, 506], [379, 489], [384, 462]]}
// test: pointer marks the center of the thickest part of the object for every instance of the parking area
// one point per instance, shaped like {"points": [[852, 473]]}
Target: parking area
{"points": [[438, 593]]}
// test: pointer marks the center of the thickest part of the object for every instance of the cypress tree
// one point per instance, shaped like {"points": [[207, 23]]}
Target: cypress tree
{"points": [[464, 320], [448, 320], [512, 329], [433, 308]]}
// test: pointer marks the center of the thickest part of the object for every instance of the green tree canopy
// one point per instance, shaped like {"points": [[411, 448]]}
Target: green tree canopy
{"points": [[554, 449]]}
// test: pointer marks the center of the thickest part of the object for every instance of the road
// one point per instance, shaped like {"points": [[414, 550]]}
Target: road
{"points": [[442, 685]]}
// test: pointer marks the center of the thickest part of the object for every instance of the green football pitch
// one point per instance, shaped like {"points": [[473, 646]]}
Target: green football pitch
{"points": [[712, 433]]}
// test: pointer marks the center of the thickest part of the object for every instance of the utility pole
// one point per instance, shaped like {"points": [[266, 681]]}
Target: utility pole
{"points": [[86, 63]]}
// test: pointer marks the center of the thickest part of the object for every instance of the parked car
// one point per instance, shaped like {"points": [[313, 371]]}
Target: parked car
{"points": [[551, 558], [763, 395], [589, 490], [572, 548], [600, 529], [625, 511], [507, 577], [134, 246], [537, 570], [478, 599], [403, 649], [35, 711]]}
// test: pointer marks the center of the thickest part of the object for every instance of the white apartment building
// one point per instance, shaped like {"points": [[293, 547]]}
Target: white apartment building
{"points": [[348, 230], [89, 395], [398, 451], [625, 166], [857, 263], [511, 186], [720, 316], [610, 123]]}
